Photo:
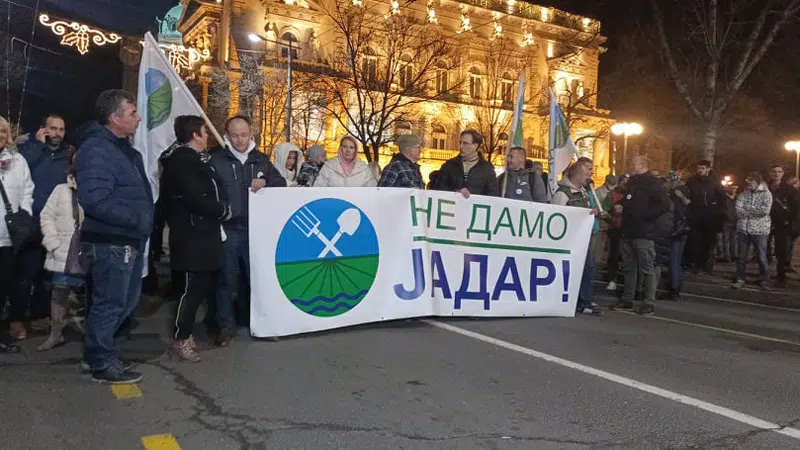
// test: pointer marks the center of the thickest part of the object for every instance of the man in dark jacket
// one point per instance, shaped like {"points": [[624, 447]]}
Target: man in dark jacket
{"points": [[785, 217], [240, 167], [522, 184], [706, 216], [403, 170], [47, 154], [644, 204], [197, 209], [468, 173], [115, 194]]}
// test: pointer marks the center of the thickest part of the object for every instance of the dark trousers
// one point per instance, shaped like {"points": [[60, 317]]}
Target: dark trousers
{"points": [[235, 261], [638, 262], [784, 242], [194, 288], [116, 287], [676, 246], [31, 288], [703, 237], [614, 255], [586, 292]]}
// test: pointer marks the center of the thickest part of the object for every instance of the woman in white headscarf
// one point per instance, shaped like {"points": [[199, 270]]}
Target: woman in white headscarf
{"points": [[287, 160], [18, 186]]}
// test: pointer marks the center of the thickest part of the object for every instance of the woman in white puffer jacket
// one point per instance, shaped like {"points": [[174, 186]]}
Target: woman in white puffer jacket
{"points": [[58, 227]]}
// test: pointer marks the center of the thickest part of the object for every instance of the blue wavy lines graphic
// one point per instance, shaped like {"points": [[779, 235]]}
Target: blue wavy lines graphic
{"points": [[331, 309], [323, 299]]}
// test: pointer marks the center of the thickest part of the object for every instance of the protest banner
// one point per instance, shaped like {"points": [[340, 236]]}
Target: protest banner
{"points": [[324, 258]]}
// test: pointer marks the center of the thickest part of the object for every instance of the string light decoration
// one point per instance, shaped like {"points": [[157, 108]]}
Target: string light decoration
{"points": [[395, 9], [465, 22], [183, 58], [432, 13], [498, 30], [78, 35]]}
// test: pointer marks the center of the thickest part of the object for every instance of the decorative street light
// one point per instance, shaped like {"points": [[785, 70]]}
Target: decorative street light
{"points": [[794, 146], [255, 38], [626, 130]]}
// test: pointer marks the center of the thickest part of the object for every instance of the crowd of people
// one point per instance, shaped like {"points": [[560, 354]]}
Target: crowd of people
{"points": [[91, 211]]}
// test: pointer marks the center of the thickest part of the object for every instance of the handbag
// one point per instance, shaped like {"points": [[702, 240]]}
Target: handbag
{"points": [[20, 224], [77, 264]]}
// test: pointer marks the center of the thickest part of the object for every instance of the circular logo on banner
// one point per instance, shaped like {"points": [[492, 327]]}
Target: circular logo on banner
{"points": [[159, 98], [327, 257]]}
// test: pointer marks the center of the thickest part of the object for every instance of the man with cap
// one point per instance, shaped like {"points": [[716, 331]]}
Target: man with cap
{"points": [[403, 170]]}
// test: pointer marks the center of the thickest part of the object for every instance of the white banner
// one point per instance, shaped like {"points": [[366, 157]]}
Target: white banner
{"points": [[324, 258]]}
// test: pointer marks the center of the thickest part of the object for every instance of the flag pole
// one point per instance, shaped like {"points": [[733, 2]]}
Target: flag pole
{"points": [[515, 124]]}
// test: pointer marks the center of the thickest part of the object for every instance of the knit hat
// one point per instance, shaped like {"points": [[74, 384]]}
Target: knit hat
{"points": [[673, 177]]}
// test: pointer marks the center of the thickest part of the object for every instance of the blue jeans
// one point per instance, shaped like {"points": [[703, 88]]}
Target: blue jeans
{"points": [[117, 274], [676, 246], [586, 292], [235, 260], [759, 242]]}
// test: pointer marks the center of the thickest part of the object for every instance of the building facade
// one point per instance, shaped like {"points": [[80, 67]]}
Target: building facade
{"points": [[493, 44]]}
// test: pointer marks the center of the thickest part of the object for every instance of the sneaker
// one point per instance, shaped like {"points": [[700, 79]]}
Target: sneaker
{"points": [[738, 284], [183, 350], [592, 309], [612, 286], [644, 309], [115, 375], [622, 305], [126, 365]]}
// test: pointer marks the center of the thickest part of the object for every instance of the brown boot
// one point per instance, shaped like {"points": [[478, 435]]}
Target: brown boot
{"points": [[224, 338], [183, 350], [58, 313], [17, 331]]}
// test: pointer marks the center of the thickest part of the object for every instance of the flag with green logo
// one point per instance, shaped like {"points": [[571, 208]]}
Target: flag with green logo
{"points": [[562, 147]]}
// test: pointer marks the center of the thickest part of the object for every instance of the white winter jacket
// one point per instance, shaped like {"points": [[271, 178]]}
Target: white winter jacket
{"points": [[16, 178], [58, 225], [331, 175]]}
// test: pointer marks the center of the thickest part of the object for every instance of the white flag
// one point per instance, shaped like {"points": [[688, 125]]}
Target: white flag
{"points": [[162, 97], [562, 148]]}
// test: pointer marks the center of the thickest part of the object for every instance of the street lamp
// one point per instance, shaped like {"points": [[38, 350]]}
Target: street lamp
{"points": [[626, 130], [253, 37], [794, 146]]}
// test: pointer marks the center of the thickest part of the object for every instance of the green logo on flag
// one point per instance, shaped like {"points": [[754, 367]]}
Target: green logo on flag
{"points": [[159, 98]]}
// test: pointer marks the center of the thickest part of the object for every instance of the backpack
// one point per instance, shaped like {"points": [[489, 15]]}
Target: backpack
{"points": [[665, 223]]}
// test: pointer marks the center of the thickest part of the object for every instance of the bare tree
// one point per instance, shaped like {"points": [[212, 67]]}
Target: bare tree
{"points": [[712, 50], [494, 98], [380, 66]]}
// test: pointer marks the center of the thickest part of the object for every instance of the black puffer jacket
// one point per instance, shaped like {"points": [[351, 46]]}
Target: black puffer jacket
{"points": [[196, 208], [707, 208], [481, 180], [236, 178], [785, 213]]}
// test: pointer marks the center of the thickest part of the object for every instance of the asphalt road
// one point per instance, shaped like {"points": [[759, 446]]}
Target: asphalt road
{"points": [[700, 374]]}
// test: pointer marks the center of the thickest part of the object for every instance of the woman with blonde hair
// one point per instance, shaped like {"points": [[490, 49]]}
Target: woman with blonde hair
{"points": [[17, 194], [346, 170]]}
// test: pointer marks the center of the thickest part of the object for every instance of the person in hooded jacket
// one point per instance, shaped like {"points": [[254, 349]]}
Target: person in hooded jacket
{"points": [[240, 168], [676, 240], [287, 161], [347, 169], [785, 216], [753, 207], [197, 209], [315, 158], [706, 216]]}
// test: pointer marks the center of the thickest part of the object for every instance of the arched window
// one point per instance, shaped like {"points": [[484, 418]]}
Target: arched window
{"points": [[442, 82], [289, 38], [406, 72], [475, 83], [369, 65], [438, 136], [507, 88]]}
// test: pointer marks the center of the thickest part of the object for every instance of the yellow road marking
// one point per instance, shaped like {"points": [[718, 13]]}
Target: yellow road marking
{"points": [[713, 328], [126, 391], [160, 442]]}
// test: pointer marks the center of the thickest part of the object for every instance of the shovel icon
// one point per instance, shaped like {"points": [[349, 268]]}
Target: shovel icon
{"points": [[348, 221]]}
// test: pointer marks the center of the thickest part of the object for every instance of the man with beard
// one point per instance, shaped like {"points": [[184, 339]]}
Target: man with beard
{"points": [[47, 155]]}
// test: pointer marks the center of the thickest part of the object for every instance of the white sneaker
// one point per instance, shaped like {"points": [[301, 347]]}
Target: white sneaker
{"points": [[612, 286]]}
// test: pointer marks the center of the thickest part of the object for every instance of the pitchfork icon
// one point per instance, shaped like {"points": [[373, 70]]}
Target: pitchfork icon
{"points": [[308, 224]]}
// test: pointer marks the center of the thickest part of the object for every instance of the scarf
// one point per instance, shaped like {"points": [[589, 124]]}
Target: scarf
{"points": [[242, 157], [470, 163], [347, 167]]}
